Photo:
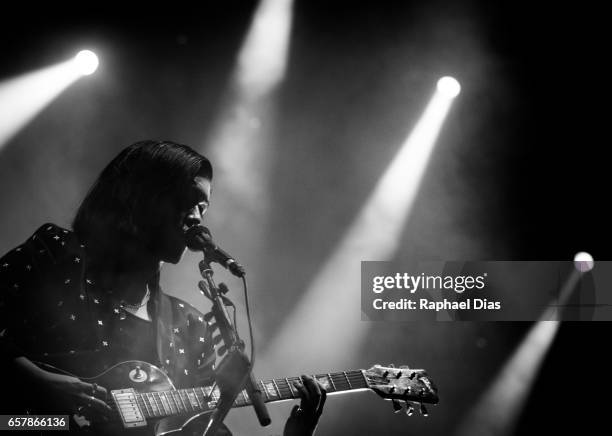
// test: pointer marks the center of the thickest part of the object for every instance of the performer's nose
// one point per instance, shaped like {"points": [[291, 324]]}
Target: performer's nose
{"points": [[194, 218]]}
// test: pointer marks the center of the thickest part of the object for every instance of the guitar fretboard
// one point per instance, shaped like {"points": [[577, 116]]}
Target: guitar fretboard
{"points": [[183, 401]]}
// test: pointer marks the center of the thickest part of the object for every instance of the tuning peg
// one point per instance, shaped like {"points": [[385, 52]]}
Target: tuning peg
{"points": [[392, 389], [398, 375], [409, 409], [408, 391], [385, 374], [397, 406], [424, 411], [411, 376]]}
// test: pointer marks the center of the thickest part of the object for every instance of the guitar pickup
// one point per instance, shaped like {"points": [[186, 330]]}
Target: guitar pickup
{"points": [[128, 408]]}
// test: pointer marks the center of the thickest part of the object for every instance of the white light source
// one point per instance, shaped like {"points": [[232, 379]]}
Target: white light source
{"points": [[449, 87], [86, 62], [583, 261]]}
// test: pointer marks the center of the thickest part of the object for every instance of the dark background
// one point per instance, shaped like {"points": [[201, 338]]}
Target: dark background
{"points": [[518, 172]]}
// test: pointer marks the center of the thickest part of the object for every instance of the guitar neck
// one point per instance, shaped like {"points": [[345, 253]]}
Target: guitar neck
{"points": [[281, 389], [201, 399]]}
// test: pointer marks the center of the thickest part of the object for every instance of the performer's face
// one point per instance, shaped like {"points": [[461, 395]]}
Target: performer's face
{"points": [[179, 214]]}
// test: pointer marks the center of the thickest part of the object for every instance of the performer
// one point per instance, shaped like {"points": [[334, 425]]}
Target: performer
{"points": [[86, 299]]}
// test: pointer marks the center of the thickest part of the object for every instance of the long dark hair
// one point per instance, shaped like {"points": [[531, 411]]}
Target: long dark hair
{"points": [[119, 206]]}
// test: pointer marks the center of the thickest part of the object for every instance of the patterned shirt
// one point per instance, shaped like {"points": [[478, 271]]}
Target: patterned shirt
{"points": [[51, 311]]}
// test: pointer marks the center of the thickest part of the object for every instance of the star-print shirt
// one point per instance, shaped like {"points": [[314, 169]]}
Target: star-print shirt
{"points": [[52, 312]]}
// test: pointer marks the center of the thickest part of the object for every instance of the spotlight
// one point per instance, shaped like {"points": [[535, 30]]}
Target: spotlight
{"points": [[86, 62], [583, 261], [449, 87]]}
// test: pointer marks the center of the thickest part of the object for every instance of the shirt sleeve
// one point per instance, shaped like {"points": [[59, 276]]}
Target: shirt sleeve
{"points": [[21, 270]]}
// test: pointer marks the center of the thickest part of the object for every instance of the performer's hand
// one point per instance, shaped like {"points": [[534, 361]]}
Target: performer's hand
{"points": [[304, 418], [64, 393]]}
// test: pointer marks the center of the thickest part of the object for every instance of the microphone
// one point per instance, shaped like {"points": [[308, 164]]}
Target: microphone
{"points": [[198, 238]]}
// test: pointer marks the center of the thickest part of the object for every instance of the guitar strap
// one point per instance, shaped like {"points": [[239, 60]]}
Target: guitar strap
{"points": [[163, 317]]}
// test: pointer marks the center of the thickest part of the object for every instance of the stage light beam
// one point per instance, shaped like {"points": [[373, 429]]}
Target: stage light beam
{"points": [[240, 138], [497, 411], [333, 297], [23, 97]]}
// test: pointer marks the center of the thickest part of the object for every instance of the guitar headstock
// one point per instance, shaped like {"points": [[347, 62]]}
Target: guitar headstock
{"points": [[402, 384]]}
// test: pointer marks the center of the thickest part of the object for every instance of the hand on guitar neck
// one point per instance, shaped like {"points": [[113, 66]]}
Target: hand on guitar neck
{"points": [[61, 393], [304, 418]]}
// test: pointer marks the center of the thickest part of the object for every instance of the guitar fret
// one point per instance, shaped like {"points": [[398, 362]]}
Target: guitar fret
{"points": [[331, 382], [181, 403], [193, 399], [285, 391], [153, 404], [277, 389], [157, 403], [148, 401], [203, 402], [241, 398], [157, 399], [347, 380], [359, 379], [142, 399], [197, 401], [214, 394], [264, 389], [210, 393], [183, 393], [164, 403], [170, 402], [290, 388], [363, 378], [340, 382]]}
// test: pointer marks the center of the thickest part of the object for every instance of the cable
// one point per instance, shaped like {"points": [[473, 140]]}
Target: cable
{"points": [[248, 311]]}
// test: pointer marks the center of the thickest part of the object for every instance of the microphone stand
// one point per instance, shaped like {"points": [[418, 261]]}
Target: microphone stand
{"points": [[234, 371]]}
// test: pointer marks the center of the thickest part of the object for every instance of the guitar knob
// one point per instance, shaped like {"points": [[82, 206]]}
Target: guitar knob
{"points": [[398, 375], [397, 406], [409, 409], [137, 375], [408, 391], [424, 411], [392, 389], [385, 374]]}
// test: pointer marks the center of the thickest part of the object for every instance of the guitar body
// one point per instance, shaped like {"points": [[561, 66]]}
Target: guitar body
{"points": [[142, 377]]}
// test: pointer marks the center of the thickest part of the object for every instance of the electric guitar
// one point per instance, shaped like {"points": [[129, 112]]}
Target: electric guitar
{"points": [[145, 402]]}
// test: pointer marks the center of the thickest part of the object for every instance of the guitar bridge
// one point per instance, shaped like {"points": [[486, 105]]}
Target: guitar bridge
{"points": [[128, 408]]}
